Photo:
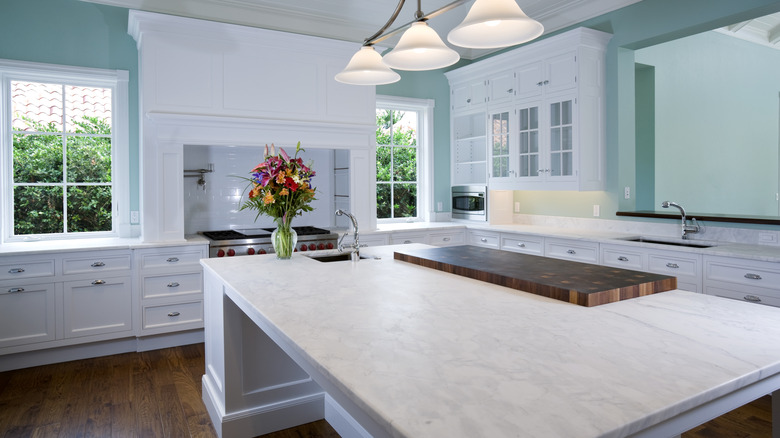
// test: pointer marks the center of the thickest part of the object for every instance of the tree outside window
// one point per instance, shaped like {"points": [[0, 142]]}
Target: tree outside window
{"points": [[396, 164], [62, 174]]}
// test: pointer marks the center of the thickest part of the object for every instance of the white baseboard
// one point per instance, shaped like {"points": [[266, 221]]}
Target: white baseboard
{"points": [[341, 421]]}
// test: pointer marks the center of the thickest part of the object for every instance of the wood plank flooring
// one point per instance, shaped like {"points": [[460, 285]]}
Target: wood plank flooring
{"points": [[158, 394]]}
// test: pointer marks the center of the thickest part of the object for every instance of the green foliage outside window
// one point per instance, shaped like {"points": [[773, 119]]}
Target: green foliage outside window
{"points": [[396, 165], [39, 178]]}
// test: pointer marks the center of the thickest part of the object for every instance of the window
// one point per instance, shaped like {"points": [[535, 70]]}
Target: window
{"points": [[61, 143], [402, 151]]}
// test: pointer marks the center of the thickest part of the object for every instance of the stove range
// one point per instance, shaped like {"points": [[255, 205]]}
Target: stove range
{"points": [[250, 241]]}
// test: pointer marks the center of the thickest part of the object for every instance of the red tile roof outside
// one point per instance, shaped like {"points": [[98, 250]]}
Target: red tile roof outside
{"points": [[44, 103]]}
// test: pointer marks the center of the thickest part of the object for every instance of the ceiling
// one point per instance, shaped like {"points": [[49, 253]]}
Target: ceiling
{"points": [[355, 20], [762, 30]]}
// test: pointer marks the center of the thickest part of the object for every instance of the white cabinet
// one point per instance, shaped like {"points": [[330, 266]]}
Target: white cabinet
{"points": [[487, 239], [406, 237], [171, 288], [97, 307], [469, 94], [27, 314], [569, 249], [469, 150], [447, 237], [525, 243], [742, 279], [545, 113], [686, 266]]}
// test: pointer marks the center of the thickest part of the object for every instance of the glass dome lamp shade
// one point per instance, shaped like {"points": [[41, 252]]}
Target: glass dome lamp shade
{"points": [[494, 23], [420, 48], [366, 68]]}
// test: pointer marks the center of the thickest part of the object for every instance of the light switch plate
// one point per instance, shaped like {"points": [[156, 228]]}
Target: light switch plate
{"points": [[517, 207], [627, 192], [596, 210], [134, 217]]}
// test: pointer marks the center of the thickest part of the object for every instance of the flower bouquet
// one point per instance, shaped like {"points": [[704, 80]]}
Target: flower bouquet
{"points": [[280, 187]]}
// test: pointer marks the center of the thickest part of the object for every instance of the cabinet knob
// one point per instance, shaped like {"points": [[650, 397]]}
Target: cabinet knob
{"points": [[97, 282], [571, 251], [752, 276], [468, 100], [172, 314], [540, 83], [173, 284], [483, 240], [445, 239], [172, 259], [98, 264], [15, 290], [521, 245], [546, 82], [407, 241], [623, 258], [16, 271], [510, 90], [752, 298], [672, 265]]}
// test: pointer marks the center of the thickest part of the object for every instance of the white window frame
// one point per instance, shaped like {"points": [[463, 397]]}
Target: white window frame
{"points": [[424, 108], [117, 81]]}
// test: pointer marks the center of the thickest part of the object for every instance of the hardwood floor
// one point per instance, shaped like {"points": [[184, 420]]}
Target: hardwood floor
{"points": [[158, 394]]}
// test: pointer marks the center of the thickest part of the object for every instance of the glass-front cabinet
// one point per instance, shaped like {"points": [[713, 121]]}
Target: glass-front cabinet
{"points": [[469, 149], [500, 135]]}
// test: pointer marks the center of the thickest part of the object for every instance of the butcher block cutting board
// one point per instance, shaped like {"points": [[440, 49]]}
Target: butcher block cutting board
{"points": [[578, 283]]}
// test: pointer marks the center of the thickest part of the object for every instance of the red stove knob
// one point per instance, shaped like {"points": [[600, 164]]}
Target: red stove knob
{"points": [[262, 251], [329, 245], [312, 246], [220, 253], [250, 251], [231, 253], [321, 246], [304, 247]]}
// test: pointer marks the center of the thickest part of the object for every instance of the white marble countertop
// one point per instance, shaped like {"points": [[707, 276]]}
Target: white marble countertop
{"points": [[427, 353], [53, 246]]}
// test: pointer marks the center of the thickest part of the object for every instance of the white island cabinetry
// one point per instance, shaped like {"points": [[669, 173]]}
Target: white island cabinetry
{"points": [[525, 243], [753, 281], [684, 265], [586, 251]]}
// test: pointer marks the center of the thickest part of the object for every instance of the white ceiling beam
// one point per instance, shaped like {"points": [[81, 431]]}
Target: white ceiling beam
{"points": [[773, 35]]}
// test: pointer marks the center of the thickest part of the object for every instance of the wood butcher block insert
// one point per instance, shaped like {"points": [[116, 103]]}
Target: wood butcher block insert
{"points": [[579, 283]]}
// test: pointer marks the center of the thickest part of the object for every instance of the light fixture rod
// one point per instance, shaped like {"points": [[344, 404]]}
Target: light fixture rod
{"points": [[379, 36]]}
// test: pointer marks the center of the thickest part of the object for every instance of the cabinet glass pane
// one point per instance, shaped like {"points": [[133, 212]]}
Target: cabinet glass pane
{"points": [[500, 137], [555, 164], [529, 142], [524, 162], [567, 165], [566, 112], [555, 139], [524, 143], [534, 142], [555, 114], [566, 140]]}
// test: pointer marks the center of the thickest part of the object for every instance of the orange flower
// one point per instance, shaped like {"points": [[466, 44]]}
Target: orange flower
{"points": [[255, 191], [268, 198], [284, 192], [280, 178]]}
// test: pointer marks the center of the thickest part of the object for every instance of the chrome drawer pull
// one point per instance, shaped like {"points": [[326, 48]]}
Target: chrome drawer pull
{"points": [[571, 251], [483, 240], [15, 289], [407, 241], [623, 258], [174, 314], [752, 298], [16, 271], [96, 282], [672, 265], [510, 90], [468, 100], [753, 276], [521, 245], [173, 284], [172, 259], [98, 264], [446, 239]]}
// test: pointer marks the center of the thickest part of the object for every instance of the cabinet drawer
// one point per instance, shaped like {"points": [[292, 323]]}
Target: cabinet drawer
{"points": [[674, 265], [489, 240], [26, 314], [173, 315], [446, 239], [171, 285], [170, 259], [96, 263], [13, 268], [767, 297], [95, 307], [521, 243], [400, 238], [572, 250], [619, 257], [756, 274]]}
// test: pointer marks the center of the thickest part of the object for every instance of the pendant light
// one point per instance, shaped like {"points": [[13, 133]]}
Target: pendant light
{"points": [[366, 68], [494, 23], [420, 48]]}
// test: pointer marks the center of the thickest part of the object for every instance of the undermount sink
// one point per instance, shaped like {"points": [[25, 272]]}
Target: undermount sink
{"points": [[689, 244], [334, 257]]}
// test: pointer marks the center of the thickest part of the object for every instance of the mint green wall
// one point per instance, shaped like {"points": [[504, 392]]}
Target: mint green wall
{"points": [[716, 123], [75, 33]]}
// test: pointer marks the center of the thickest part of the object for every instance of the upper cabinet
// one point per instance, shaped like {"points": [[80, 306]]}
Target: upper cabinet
{"points": [[544, 111]]}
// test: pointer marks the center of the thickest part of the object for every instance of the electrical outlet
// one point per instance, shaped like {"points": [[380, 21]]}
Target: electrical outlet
{"points": [[596, 210], [517, 207], [627, 193], [134, 217], [439, 206]]}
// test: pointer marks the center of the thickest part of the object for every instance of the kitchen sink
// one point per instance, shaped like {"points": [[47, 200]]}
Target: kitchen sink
{"points": [[335, 257], [688, 244]]}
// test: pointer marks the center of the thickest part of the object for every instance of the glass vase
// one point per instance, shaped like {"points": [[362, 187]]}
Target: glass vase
{"points": [[284, 239]]}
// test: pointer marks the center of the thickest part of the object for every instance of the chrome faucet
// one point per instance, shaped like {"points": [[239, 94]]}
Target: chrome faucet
{"points": [[685, 227], [356, 243]]}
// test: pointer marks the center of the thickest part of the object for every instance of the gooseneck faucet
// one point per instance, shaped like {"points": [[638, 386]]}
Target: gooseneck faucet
{"points": [[356, 243], [685, 227]]}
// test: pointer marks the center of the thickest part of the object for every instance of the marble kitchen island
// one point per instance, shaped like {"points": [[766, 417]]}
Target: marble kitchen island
{"points": [[382, 347]]}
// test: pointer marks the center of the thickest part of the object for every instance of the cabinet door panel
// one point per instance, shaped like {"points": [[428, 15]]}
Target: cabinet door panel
{"points": [[530, 80], [26, 314], [528, 148], [500, 138], [502, 87], [97, 306], [561, 73]]}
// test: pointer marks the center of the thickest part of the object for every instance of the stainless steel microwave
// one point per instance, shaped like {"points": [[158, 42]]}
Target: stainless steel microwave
{"points": [[469, 202]]}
